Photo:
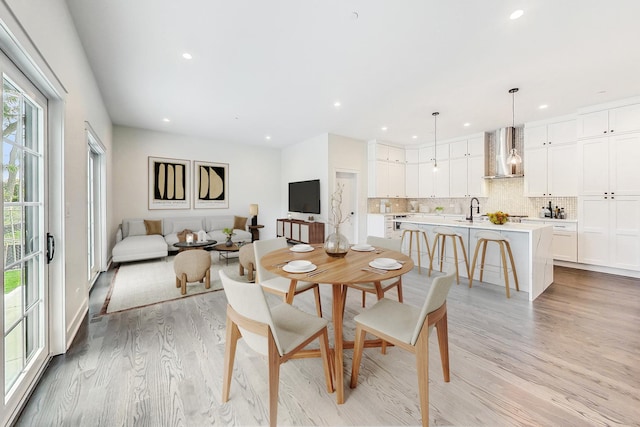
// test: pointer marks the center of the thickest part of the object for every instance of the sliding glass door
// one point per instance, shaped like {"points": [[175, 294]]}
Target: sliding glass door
{"points": [[24, 347]]}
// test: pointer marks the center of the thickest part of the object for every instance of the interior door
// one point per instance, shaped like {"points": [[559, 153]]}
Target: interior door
{"points": [[349, 204], [24, 348]]}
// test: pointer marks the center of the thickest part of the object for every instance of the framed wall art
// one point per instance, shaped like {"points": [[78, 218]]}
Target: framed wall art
{"points": [[169, 183], [211, 185]]}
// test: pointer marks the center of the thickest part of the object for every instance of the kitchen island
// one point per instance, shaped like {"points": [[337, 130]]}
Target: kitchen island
{"points": [[530, 243]]}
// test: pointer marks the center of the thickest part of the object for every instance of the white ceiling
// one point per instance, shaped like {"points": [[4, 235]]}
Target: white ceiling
{"points": [[276, 67]]}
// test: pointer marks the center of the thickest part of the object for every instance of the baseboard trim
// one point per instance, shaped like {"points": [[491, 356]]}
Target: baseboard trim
{"points": [[73, 328], [599, 269]]}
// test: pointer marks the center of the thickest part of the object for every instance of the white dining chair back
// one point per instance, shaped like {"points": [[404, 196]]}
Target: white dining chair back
{"points": [[435, 298], [249, 300], [261, 248]]}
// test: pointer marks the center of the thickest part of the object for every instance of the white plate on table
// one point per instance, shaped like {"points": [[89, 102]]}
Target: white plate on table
{"points": [[301, 248], [395, 266], [307, 269], [363, 248]]}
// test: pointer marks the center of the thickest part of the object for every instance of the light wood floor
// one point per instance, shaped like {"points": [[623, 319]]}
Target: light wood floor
{"points": [[571, 358]]}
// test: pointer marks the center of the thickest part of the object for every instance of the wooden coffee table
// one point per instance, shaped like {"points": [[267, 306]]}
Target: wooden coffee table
{"points": [[224, 251]]}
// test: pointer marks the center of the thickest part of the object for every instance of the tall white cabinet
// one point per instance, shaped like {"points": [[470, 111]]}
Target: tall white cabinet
{"points": [[609, 187], [386, 170], [466, 167], [550, 159]]}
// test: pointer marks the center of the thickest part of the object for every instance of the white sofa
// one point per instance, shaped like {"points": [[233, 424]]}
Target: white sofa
{"points": [[133, 243]]}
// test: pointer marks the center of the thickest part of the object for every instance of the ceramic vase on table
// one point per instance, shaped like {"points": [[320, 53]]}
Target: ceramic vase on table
{"points": [[228, 243], [336, 245]]}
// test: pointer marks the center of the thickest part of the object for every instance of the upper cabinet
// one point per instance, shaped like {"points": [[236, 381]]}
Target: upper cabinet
{"points": [[549, 153], [611, 121], [386, 170], [466, 167]]}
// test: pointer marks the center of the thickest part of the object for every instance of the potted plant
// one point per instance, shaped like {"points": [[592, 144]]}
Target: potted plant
{"points": [[229, 232], [439, 209]]}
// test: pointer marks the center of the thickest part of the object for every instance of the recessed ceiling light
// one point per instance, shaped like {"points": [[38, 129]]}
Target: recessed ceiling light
{"points": [[268, 137], [415, 137], [467, 124], [516, 14], [166, 120], [601, 92], [543, 106], [384, 128], [187, 55], [337, 104]]}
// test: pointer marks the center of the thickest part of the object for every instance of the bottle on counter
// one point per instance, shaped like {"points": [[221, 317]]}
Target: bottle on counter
{"points": [[563, 214], [543, 212], [556, 212]]}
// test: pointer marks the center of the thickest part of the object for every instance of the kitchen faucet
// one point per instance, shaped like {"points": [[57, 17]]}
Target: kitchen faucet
{"points": [[470, 217]]}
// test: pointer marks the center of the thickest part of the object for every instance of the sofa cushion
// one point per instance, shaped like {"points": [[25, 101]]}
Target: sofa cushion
{"points": [[140, 247], [153, 226], [218, 222], [240, 222]]}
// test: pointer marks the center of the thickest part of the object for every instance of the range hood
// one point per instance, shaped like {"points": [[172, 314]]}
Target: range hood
{"points": [[497, 152]]}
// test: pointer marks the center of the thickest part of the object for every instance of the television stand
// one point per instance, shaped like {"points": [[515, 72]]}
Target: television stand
{"points": [[300, 231]]}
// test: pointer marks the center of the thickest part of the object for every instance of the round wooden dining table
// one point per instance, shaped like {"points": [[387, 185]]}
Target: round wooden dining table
{"points": [[339, 273]]}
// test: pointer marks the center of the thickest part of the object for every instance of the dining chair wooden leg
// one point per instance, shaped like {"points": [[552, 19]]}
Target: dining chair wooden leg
{"points": [[422, 364], [326, 364], [232, 337], [400, 297], [443, 343], [364, 298], [274, 380], [358, 346], [316, 292]]}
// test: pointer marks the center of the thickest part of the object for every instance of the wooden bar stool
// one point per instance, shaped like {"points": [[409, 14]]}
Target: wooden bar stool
{"points": [[485, 237], [417, 232], [441, 236]]}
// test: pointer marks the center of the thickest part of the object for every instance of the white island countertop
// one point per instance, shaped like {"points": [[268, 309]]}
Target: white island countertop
{"points": [[530, 243]]}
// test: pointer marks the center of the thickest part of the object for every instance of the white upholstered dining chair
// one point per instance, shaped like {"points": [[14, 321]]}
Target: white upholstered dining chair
{"points": [[380, 287], [278, 332], [409, 328], [275, 284]]}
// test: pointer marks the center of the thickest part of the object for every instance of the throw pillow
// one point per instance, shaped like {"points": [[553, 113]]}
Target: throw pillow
{"points": [[239, 222], [137, 228], [182, 236], [153, 226]]}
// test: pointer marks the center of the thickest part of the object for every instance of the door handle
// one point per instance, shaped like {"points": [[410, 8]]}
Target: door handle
{"points": [[51, 247]]}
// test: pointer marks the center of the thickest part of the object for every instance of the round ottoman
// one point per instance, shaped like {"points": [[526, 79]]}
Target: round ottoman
{"points": [[247, 260], [192, 266]]}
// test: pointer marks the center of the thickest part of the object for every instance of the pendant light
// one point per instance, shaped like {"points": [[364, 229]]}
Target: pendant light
{"points": [[435, 141], [514, 158]]}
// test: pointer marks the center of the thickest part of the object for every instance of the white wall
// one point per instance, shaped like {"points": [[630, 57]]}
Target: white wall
{"points": [[44, 30], [305, 161], [254, 175], [350, 155]]}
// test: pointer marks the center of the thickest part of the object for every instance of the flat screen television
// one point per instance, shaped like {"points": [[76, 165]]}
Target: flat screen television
{"points": [[304, 196]]}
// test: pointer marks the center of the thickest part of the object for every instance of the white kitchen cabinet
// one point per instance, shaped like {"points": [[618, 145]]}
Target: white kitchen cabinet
{"points": [[376, 225], [386, 170], [466, 167], [550, 153], [412, 173], [609, 165], [565, 239], [609, 231], [605, 122], [434, 183]]}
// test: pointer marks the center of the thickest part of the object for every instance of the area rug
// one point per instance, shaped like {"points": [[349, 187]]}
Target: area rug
{"points": [[143, 283]]}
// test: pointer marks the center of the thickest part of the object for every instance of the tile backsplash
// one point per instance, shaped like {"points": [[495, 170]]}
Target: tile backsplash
{"points": [[502, 195]]}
